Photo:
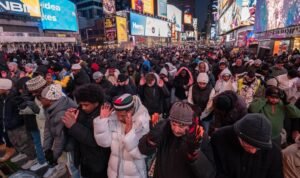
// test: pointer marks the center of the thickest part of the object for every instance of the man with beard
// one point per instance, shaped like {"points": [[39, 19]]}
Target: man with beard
{"points": [[91, 158]]}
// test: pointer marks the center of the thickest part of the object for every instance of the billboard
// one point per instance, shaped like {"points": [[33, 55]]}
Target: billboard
{"points": [[162, 8], [121, 29], [245, 12], [21, 7], [59, 15], [223, 5], [145, 6], [175, 15], [226, 21], [110, 30], [146, 26], [188, 19], [109, 7], [272, 14]]}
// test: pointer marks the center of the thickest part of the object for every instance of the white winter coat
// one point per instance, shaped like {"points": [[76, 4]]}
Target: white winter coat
{"points": [[125, 160]]}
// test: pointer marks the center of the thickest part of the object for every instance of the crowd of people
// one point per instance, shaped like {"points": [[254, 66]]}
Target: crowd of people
{"points": [[184, 111]]}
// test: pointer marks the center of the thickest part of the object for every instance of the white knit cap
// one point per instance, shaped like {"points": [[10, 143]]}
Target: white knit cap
{"points": [[52, 92], [76, 67], [5, 84], [203, 78]]}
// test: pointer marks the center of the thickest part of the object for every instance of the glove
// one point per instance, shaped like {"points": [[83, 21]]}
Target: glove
{"points": [[155, 134], [26, 111], [193, 139], [49, 157]]}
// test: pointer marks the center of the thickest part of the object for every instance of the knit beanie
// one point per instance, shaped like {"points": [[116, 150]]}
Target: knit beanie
{"points": [[5, 84], [255, 129], [36, 83], [52, 92], [97, 75], [182, 112], [123, 102], [203, 78]]}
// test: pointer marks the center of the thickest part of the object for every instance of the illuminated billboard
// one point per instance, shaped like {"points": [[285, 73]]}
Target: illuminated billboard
{"points": [[272, 14], [188, 19], [223, 5], [226, 21], [162, 8], [109, 7], [146, 26], [59, 15], [145, 6], [245, 10], [20, 7], [175, 15], [121, 29]]}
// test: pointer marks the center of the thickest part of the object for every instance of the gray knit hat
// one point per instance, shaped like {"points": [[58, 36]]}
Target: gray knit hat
{"points": [[182, 112], [255, 129]]}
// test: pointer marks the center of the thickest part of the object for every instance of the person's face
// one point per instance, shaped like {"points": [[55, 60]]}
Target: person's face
{"points": [[98, 80], [88, 107], [273, 100], [222, 66], [202, 85], [75, 72], [45, 102], [179, 129], [249, 79], [28, 69], [151, 83], [111, 72], [280, 65], [130, 71], [183, 73], [202, 68], [122, 115], [12, 68], [238, 62], [49, 78], [37, 93], [226, 77], [121, 83], [2, 91], [247, 147]]}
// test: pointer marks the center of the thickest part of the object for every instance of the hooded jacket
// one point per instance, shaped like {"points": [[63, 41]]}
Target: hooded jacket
{"points": [[55, 134], [180, 82], [222, 85], [125, 160]]}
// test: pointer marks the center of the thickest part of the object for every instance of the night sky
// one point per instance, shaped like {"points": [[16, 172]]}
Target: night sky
{"points": [[202, 9]]}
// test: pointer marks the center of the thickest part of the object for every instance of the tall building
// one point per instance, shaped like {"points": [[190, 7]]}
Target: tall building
{"points": [[89, 13]]}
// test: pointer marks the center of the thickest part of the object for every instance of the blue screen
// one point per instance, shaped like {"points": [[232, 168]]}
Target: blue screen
{"points": [[137, 24], [59, 15]]}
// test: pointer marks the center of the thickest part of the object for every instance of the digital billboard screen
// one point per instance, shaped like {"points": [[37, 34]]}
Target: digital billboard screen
{"points": [[121, 29], [145, 6], [20, 7], [245, 11], [175, 15], [223, 5], [162, 8], [226, 21], [59, 15], [272, 14], [109, 7], [146, 26], [188, 19]]}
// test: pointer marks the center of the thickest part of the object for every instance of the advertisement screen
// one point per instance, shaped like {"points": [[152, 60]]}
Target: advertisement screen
{"points": [[109, 7], [223, 5], [245, 12], [147, 26], [226, 21], [21, 7], [122, 29], [110, 30], [162, 8], [59, 15], [175, 15], [188, 18], [145, 6], [272, 14]]}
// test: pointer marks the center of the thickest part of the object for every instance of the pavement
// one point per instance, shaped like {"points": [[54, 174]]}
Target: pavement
{"points": [[9, 169]]}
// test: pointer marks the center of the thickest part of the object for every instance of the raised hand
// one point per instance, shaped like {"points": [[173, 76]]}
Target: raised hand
{"points": [[142, 81], [70, 117], [105, 110], [160, 83]]}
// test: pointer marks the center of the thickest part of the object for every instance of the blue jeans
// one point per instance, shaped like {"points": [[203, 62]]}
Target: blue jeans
{"points": [[70, 164], [38, 146]]}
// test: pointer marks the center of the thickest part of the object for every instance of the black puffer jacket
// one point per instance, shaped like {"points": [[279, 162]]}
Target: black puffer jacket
{"points": [[93, 159], [9, 112]]}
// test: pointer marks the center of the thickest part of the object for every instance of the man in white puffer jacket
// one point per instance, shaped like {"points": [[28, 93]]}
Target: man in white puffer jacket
{"points": [[121, 128]]}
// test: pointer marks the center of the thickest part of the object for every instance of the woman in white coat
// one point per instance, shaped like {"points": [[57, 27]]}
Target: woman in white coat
{"points": [[121, 128]]}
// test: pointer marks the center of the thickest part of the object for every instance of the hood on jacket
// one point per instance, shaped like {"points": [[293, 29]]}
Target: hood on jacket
{"points": [[226, 71], [62, 104], [206, 66], [139, 108]]}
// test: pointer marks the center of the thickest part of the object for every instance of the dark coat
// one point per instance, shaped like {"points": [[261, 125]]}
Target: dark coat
{"points": [[93, 159], [81, 78], [200, 97], [9, 112], [153, 98], [105, 85], [171, 157], [233, 162]]}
